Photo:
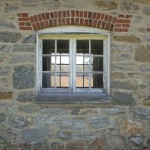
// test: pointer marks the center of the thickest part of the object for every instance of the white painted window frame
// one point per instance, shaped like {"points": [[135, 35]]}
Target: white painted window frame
{"points": [[74, 30]]}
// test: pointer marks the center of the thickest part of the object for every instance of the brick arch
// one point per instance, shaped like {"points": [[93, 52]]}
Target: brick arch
{"points": [[116, 23]]}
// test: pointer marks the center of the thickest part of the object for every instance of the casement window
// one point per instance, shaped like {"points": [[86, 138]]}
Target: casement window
{"points": [[73, 62]]}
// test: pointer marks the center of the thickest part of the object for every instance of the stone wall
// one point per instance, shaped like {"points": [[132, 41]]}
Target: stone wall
{"points": [[122, 123]]}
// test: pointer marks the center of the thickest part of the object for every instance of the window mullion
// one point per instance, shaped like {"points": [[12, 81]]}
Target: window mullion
{"points": [[90, 63], [55, 63]]}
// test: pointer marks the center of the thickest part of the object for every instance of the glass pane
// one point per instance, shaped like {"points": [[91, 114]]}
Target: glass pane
{"points": [[64, 59], [97, 80], [87, 60], [46, 63], [48, 46], [48, 80], [97, 63], [53, 69], [63, 46], [64, 81], [79, 68], [83, 46], [64, 68], [88, 68], [97, 47], [79, 59], [79, 80], [82, 80]]}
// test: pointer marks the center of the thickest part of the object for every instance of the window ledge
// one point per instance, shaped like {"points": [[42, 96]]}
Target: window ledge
{"points": [[73, 98]]}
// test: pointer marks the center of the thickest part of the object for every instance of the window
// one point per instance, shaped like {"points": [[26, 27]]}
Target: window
{"points": [[73, 63]]}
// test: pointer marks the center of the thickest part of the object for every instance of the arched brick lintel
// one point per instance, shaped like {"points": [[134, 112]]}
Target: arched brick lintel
{"points": [[118, 23]]}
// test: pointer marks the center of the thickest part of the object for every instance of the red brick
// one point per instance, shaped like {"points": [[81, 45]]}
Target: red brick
{"points": [[128, 16], [108, 26], [103, 25], [126, 25], [44, 16], [34, 26], [114, 20], [25, 28], [77, 21], [40, 17], [85, 14], [59, 14], [81, 21], [59, 22], [77, 14], [22, 23], [22, 15], [63, 21], [120, 30], [102, 16], [121, 16], [68, 21], [38, 25], [89, 14], [51, 23], [111, 27], [47, 16], [31, 19], [52, 15], [55, 15], [94, 15], [28, 23], [98, 16], [86, 22], [117, 25], [98, 24], [109, 18], [42, 24], [46, 24], [81, 13], [106, 18], [72, 13], [123, 21], [64, 13], [95, 23], [68, 13], [90, 22], [23, 19], [35, 18], [55, 22], [72, 21]]}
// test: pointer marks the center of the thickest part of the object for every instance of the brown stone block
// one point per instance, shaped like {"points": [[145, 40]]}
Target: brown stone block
{"points": [[75, 145], [142, 54], [6, 95], [142, 1], [127, 38]]}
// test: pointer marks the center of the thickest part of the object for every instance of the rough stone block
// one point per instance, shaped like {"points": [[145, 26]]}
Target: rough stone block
{"points": [[25, 97], [5, 48], [2, 57], [30, 39], [122, 85], [123, 99], [19, 58], [4, 71], [142, 1], [145, 68], [75, 145], [99, 122], [127, 38], [131, 128], [23, 77], [12, 37], [57, 146], [106, 5], [113, 111], [35, 135], [23, 48], [129, 6], [2, 117], [98, 144], [7, 26], [141, 113], [63, 135], [146, 10], [6, 95], [142, 54]]}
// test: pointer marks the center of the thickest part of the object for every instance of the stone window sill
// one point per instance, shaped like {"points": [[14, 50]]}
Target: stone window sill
{"points": [[73, 98]]}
